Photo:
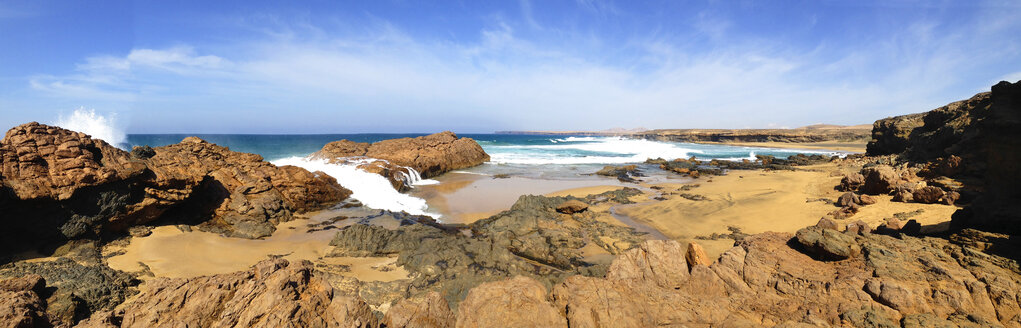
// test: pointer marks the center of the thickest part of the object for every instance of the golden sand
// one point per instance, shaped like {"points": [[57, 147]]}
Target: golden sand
{"points": [[759, 201]]}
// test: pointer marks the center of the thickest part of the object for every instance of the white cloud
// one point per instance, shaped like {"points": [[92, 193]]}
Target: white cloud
{"points": [[386, 78]]}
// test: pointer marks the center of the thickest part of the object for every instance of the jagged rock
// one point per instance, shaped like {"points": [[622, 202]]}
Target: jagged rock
{"points": [[572, 206], [58, 185], [928, 195], [78, 289], [428, 311], [827, 244], [41, 161], [515, 302], [273, 293], [696, 256], [245, 195], [531, 239], [866, 200], [430, 155], [890, 135], [890, 226]]}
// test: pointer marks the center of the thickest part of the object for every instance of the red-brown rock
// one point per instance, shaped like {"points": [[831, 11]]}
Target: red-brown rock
{"points": [[515, 302], [430, 155]]}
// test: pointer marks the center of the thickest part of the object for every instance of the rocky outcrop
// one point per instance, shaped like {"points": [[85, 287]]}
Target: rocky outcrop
{"points": [[891, 135], [273, 293], [766, 280], [244, 195], [531, 239], [806, 134], [969, 149], [430, 155], [624, 173], [57, 184]]}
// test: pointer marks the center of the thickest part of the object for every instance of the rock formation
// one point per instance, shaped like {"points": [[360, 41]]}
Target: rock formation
{"points": [[430, 155], [273, 293], [968, 149], [57, 184]]}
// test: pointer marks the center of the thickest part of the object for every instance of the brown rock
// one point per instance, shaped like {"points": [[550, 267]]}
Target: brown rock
{"points": [[890, 226], [857, 227], [245, 195], [950, 197], [273, 293], [40, 161], [572, 206], [866, 200], [902, 196], [515, 302], [656, 261], [20, 303], [430, 310], [848, 198], [928, 195], [827, 223], [879, 179], [851, 182], [696, 256], [827, 244], [430, 155]]}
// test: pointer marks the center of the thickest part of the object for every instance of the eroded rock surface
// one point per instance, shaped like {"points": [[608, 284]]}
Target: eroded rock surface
{"points": [[430, 155], [274, 293]]}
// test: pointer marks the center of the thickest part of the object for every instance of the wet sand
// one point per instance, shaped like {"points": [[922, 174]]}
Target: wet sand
{"points": [[759, 201], [466, 198]]}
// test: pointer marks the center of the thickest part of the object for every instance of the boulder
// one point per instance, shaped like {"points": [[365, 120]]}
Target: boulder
{"points": [[848, 199], [696, 256], [515, 302], [827, 244], [851, 182], [879, 179], [866, 200], [572, 206], [928, 195], [827, 223], [903, 196], [430, 155]]}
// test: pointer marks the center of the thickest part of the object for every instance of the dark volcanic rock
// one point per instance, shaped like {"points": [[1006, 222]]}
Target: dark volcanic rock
{"points": [[890, 135], [430, 155], [78, 289], [624, 173], [531, 239]]}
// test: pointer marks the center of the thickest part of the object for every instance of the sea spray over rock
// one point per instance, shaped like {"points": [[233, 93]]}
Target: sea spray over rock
{"points": [[371, 189], [98, 126]]}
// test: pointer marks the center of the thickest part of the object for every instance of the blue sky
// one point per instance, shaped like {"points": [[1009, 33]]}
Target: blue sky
{"points": [[479, 66]]}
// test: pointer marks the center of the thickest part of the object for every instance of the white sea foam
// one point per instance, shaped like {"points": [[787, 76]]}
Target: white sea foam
{"points": [[610, 151], [96, 125], [371, 189]]}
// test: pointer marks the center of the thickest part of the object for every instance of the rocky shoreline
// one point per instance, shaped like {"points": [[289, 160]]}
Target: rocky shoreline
{"points": [[546, 261]]}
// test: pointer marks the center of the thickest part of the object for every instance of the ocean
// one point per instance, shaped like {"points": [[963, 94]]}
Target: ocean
{"points": [[545, 157]]}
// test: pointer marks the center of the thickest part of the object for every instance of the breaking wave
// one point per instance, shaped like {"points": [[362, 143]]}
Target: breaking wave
{"points": [[371, 189], [98, 126]]}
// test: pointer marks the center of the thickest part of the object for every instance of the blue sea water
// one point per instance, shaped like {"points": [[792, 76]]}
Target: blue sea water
{"points": [[506, 149]]}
